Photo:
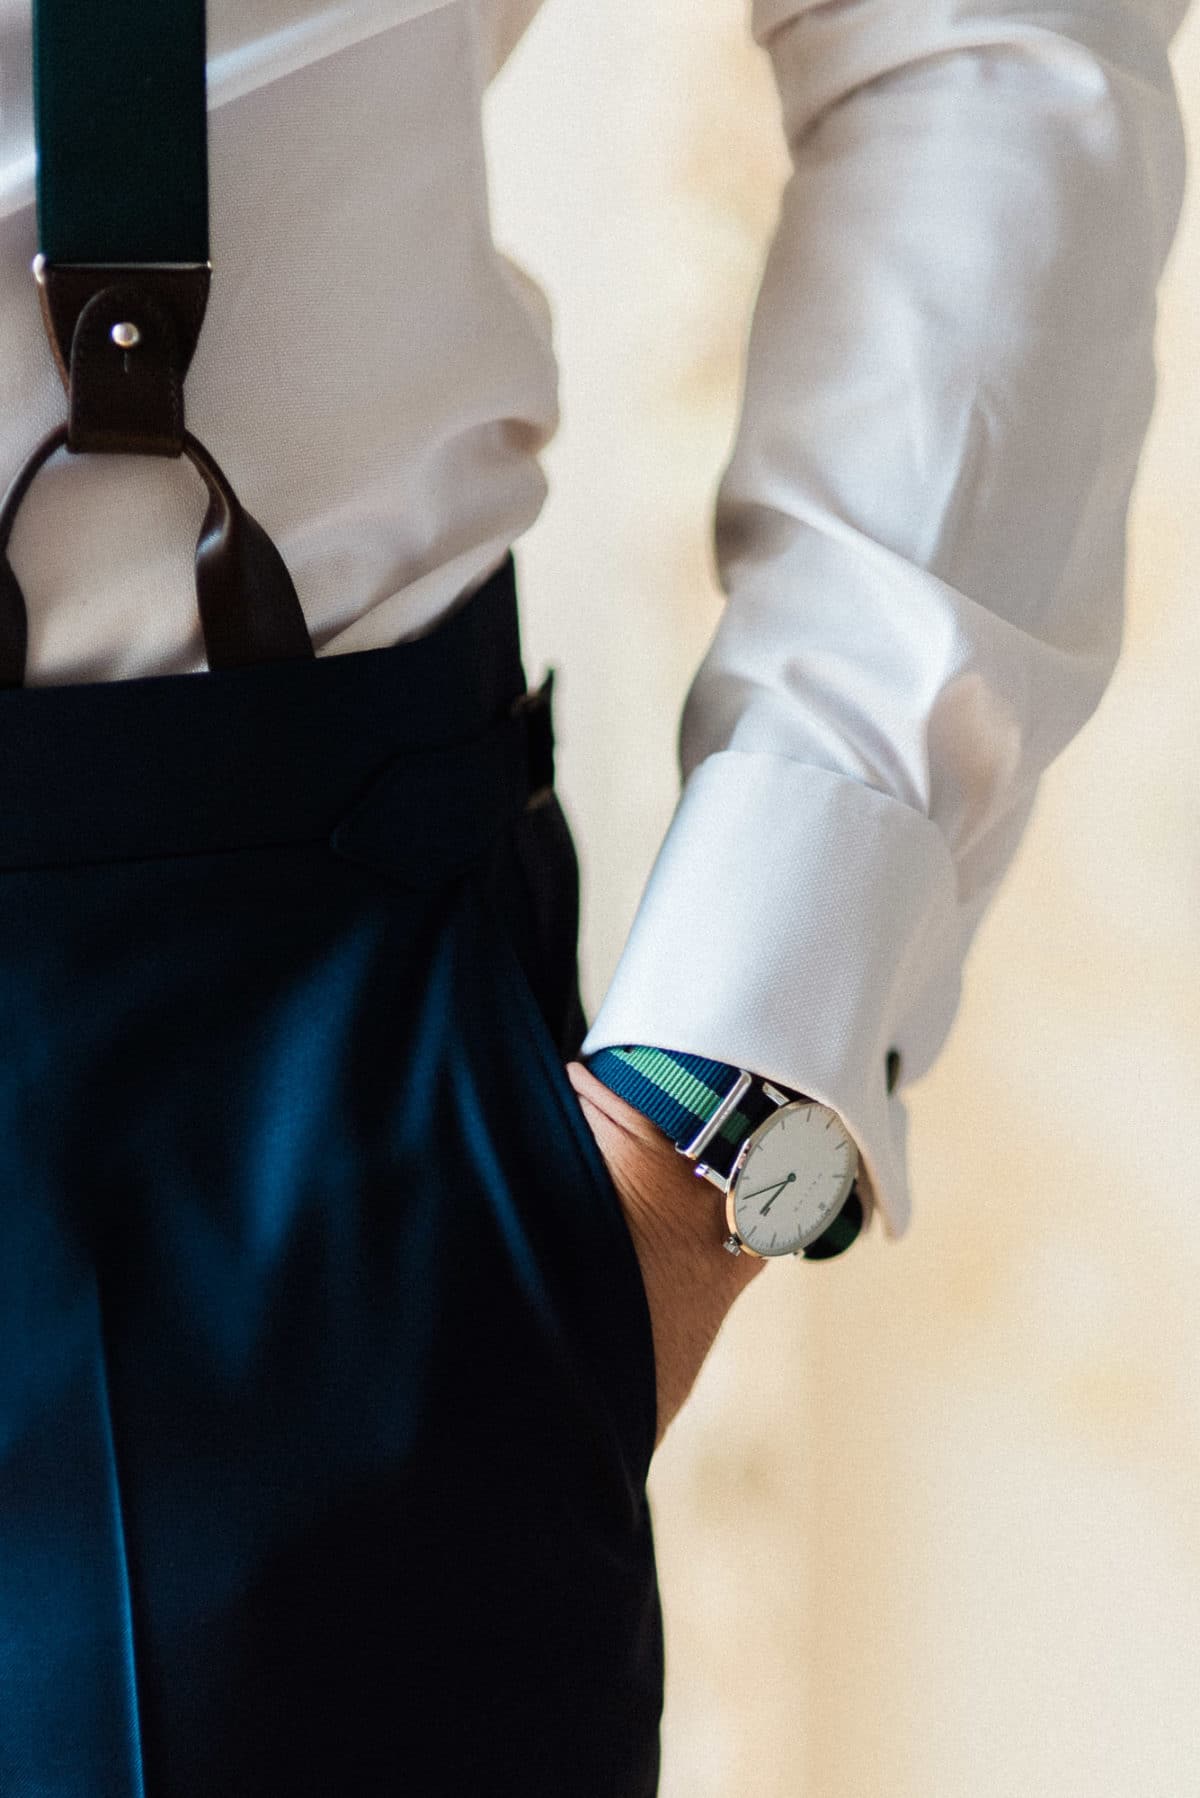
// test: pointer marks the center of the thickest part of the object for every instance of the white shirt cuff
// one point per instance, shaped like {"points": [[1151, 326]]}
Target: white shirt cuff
{"points": [[801, 924]]}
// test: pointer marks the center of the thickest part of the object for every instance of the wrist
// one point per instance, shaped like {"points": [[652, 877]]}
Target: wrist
{"points": [[672, 1211]]}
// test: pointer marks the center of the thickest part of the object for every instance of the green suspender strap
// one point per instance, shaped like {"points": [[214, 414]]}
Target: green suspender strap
{"points": [[123, 274], [120, 109]]}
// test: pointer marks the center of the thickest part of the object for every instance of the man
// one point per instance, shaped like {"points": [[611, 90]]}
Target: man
{"points": [[920, 532]]}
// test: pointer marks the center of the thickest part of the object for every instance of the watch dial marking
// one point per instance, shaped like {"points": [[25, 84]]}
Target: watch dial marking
{"points": [[786, 1191]]}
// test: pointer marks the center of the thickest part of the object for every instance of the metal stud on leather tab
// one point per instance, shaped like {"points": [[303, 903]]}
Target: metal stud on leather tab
{"points": [[118, 402]]}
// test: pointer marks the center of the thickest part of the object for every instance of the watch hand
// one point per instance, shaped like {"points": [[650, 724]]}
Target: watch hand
{"points": [[763, 1209]]}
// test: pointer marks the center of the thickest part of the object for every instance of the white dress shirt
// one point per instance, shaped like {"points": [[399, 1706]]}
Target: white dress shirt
{"points": [[920, 531]]}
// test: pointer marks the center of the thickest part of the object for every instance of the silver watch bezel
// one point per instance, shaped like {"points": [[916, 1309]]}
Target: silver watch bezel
{"points": [[728, 1183], [743, 1155]]}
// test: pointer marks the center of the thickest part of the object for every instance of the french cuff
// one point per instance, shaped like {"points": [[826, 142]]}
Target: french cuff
{"points": [[804, 926]]}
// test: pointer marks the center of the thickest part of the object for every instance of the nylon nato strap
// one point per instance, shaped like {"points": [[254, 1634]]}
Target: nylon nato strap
{"points": [[680, 1092], [122, 131]]}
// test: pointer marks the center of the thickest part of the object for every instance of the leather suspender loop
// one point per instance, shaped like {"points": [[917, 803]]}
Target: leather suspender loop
{"points": [[249, 611], [123, 280]]}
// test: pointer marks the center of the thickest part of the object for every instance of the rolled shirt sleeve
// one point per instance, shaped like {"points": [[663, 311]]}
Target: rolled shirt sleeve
{"points": [[920, 532]]}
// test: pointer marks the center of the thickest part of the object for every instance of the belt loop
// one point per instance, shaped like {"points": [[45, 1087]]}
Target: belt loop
{"points": [[535, 709]]}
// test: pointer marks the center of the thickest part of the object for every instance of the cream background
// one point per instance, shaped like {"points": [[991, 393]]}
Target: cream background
{"points": [[929, 1527]]}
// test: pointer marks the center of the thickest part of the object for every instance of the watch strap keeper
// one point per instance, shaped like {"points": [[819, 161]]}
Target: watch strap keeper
{"points": [[680, 1092]]}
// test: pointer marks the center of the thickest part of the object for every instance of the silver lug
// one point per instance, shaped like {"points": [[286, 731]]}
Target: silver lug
{"points": [[725, 1110], [702, 1171], [732, 1245]]}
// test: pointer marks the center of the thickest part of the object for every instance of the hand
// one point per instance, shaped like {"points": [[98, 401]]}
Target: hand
{"points": [[678, 1226]]}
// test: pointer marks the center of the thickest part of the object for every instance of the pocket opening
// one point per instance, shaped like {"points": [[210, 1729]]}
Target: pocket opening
{"points": [[632, 1339]]}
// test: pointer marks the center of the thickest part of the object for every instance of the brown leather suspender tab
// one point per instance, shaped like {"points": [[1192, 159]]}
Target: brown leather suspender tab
{"points": [[123, 340], [123, 279]]}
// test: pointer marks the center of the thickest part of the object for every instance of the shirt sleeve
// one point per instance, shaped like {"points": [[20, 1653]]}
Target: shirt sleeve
{"points": [[920, 532]]}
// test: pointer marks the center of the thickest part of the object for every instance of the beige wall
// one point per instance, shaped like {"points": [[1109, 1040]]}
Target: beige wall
{"points": [[930, 1526]]}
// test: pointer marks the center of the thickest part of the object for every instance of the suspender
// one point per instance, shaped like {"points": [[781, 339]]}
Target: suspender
{"points": [[119, 104], [123, 276]]}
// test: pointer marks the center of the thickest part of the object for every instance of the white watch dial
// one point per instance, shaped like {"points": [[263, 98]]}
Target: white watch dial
{"points": [[791, 1179]]}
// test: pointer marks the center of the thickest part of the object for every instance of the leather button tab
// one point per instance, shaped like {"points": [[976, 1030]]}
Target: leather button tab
{"points": [[122, 403]]}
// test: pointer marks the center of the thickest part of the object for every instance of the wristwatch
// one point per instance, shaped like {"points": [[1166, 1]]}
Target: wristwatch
{"points": [[786, 1164]]}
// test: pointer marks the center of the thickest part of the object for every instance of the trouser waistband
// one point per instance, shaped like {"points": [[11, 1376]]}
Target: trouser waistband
{"points": [[284, 752]]}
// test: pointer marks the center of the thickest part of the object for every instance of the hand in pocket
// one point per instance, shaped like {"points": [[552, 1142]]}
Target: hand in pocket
{"points": [[677, 1225]]}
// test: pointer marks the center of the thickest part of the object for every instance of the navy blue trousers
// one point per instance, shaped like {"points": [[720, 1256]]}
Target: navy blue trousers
{"points": [[326, 1371]]}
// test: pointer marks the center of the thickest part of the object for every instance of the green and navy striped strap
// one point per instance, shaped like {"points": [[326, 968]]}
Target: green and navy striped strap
{"points": [[680, 1092]]}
